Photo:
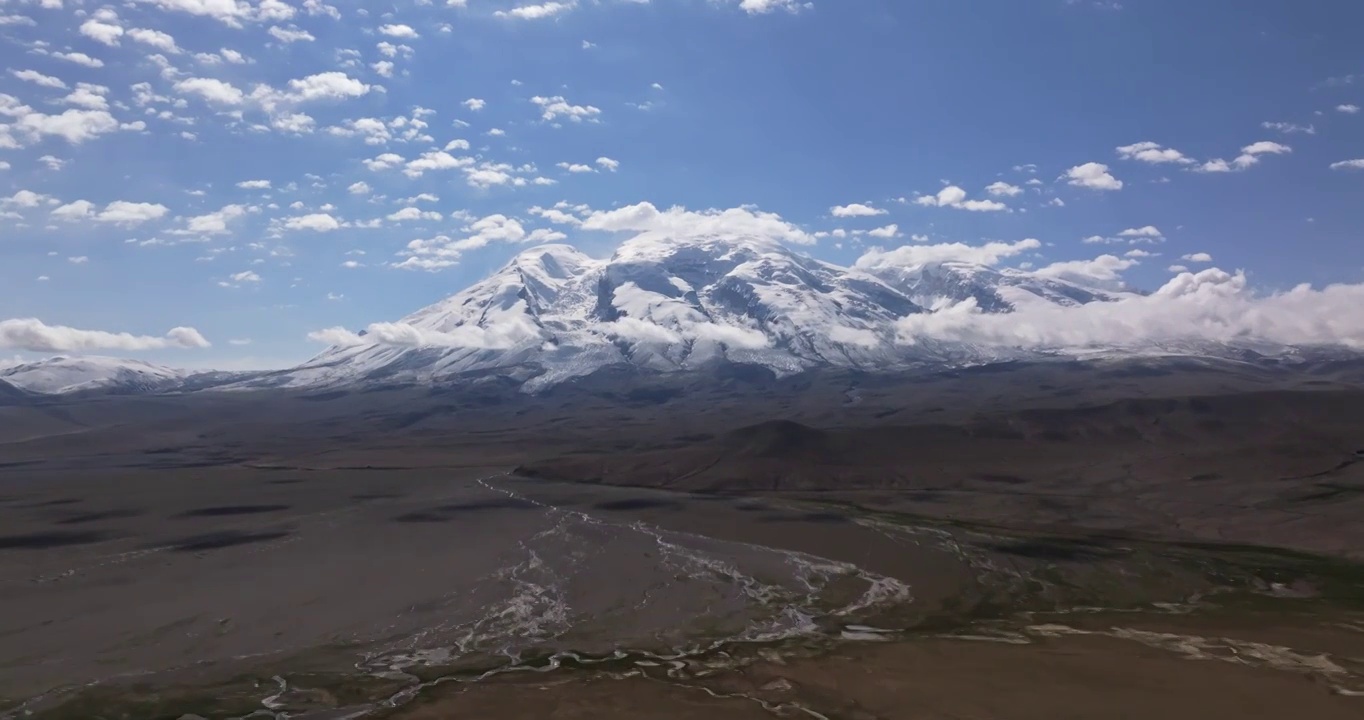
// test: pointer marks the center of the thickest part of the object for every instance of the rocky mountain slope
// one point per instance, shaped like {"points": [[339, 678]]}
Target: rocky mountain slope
{"points": [[553, 313]]}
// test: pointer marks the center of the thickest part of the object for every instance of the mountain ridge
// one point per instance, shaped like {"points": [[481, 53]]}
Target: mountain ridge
{"points": [[662, 305]]}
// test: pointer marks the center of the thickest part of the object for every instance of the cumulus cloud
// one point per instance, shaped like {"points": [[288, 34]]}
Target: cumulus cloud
{"points": [[290, 35], [1104, 271], [154, 38], [443, 251], [678, 222], [434, 160], [1211, 305], [106, 33], [553, 108], [608, 164], [1348, 165], [1094, 176], [1153, 153], [214, 223], [33, 335], [411, 213], [1250, 155], [1348, 109], [1289, 128], [79, 58], [762, 7], [955, 197], [398, 31], [317, 222], [855, 210], [884, 232], [537, 12], [74, 126], [1146, 231], [121, 212], [912, 255], [1003, 189], [510, 330], [38, 78], [212, 90]]}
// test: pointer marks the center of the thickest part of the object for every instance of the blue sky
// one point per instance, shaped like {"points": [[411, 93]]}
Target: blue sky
{"points": [[218, 164]]}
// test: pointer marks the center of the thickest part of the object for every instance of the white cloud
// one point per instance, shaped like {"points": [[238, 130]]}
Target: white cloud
{"points": [[1288, 128], [913, 255], [1094, 176], [1200, 257], [79, 58], [576, 167], [74, 126], [74, 210], [1104, 271], [434, 160], [214, 223], [1211, 305], [103, 32], [317, 222], [38, 78], [295, 123], [1003, 189], [552, 108], [1347, 109], [855, 210], [317, 7], [398, 31], [411, 213], [762, 7], [1250, 155], [384, 161], [955, 197], [32, 335], [1348, 165], [1152, 153], [444, 251], [211, 89], [537, 12], [608, 164], [26, 199], [647, 220], [475, 104], [154, 38], [1146, 231], [121, 212], [246, 276], [291, 35], [887, 231], [359, 188], [88, 96], [254, 184], [555, 215]]}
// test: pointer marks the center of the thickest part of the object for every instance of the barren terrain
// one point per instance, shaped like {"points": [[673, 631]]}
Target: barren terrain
{"points": [[1039, 541]]}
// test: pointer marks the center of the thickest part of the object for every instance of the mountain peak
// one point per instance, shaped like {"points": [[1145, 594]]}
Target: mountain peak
{"points": [[665, 304]]}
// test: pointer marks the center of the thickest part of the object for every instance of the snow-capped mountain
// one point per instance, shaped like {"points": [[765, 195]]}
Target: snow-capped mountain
{"points": [[554, 313], [59, 375]]}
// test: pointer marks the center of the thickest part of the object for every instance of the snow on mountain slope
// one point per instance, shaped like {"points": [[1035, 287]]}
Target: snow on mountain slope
{"points": [[74, 374], [554, 313]]}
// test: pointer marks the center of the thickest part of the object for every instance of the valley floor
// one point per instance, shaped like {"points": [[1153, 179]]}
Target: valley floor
{"points": [[1171, 558]]}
